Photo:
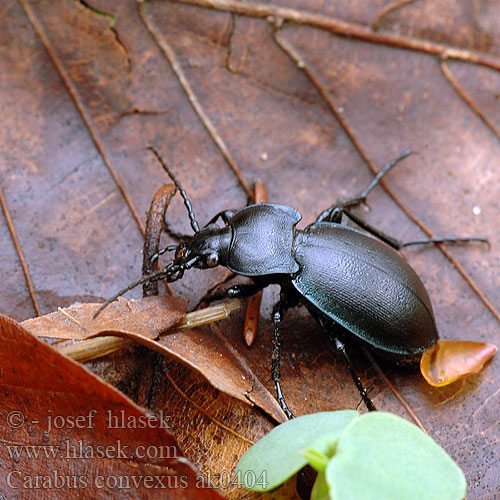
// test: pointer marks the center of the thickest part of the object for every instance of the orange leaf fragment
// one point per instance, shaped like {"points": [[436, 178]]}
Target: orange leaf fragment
{"points": [[450, 360]]}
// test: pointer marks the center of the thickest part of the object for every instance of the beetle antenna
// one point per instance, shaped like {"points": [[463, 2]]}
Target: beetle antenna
{"points": [[157, 275], [162, 251], [192, 217]]}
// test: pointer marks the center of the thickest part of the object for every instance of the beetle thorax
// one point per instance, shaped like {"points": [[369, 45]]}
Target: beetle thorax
{"points": [[262, 242]]}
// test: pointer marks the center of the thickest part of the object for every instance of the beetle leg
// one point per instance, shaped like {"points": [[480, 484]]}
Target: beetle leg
{"points": [[334, 213], [441, 240], [397, 244], [225, 215], [393, 242], [362, 391], [235, 291], [279, 311], [244, 290], [173, 233], [381, 174]]}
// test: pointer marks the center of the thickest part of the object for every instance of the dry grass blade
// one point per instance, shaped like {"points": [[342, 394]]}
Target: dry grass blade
{"points": [[94, 348]]}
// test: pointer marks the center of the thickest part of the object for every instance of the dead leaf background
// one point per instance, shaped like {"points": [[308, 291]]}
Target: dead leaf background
{"points": [[81, 101]]}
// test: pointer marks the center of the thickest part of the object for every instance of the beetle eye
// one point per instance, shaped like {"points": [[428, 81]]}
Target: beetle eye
{"points": [[212, 259]]}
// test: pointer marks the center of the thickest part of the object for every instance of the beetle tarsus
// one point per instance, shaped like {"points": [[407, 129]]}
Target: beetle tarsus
{"points": [[282, 402], [451, 239], [362, 391], [278, 315], [398, 245], [381, 174]]}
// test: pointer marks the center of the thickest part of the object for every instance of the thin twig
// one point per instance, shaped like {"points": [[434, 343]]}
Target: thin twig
{"points": [[86, 117], [386, 10], [396, 393], [463, 94], [17, 245], [154, 224], [322, 89], [252, 313], [169, 54], [347, 29]]}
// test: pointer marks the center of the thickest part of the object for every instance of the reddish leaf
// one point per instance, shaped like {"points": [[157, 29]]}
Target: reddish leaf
{"points": [[101, 441], [212, 428]]}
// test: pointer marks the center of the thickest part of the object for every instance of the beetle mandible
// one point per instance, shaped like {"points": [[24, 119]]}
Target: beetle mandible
{"points": [[342, 275]]}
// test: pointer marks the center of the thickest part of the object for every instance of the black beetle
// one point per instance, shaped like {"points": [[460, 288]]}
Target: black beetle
{"points": [[342, 275]]}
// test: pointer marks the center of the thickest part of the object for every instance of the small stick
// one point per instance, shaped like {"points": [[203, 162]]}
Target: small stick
{"points": [[253, 303], [346, 29], [154, 226], [17, 245]]}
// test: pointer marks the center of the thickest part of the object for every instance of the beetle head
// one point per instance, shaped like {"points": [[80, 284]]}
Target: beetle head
{"points": [[207, 248]]}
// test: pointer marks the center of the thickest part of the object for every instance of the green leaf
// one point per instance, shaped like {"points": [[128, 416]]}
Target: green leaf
{"points": [[320, 490], [276, 457], [382, 456], [316, 459]]}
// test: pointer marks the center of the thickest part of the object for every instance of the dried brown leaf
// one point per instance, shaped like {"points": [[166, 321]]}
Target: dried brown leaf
{"points": [[65, 430], [146, 317], [206, 351], [142, 321]]}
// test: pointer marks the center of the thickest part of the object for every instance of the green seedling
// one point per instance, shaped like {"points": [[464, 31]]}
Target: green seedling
{"points": [[374, 456]]}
